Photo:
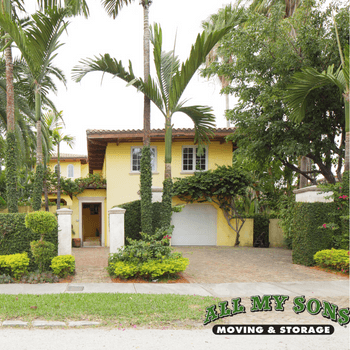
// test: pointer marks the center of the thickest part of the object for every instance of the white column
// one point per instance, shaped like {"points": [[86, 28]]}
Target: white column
{"points": [[64, 218], [116, 229]]}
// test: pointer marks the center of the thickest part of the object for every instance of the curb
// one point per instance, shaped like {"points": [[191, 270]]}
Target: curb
{"points": [[38, 324]]}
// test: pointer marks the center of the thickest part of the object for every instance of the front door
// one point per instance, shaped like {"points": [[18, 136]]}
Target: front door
{"points": [[92, 224]]}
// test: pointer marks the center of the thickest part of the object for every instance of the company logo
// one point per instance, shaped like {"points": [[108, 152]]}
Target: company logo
{"points": [[277, 302]]}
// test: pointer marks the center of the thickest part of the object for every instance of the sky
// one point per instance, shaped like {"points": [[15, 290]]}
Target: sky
{"points": [[107, 103]]}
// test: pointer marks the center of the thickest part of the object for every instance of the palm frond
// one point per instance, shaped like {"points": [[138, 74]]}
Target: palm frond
{"points": [[199, 51], [303, 83], [204, 123], [113, 7]]}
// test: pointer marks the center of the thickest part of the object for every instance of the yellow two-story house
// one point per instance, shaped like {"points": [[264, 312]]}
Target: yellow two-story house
{"points": [[116, 154]]}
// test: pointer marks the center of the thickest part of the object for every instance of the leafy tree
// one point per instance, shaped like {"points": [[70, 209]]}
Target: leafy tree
{"points": [[222, 186], [38, 44], [264, 58]]}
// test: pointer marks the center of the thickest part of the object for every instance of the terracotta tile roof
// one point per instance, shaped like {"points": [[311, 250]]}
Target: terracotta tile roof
{"points": [[68, 156], [97, 140]]}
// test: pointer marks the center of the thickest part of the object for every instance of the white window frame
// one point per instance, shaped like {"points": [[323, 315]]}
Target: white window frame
{"points": [[154, 169], [194, 153], [70, 177]]}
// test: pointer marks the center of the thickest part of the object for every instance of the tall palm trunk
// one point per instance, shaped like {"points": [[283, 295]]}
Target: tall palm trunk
{"points": [[39, 174], [347, 131], [58, 178], [146, 70], [146, 167], [11, 158], [168, 144]]}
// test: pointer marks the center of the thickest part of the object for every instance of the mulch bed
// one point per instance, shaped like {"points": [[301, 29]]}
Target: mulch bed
{"points": [[338, 273], [181, 279]]}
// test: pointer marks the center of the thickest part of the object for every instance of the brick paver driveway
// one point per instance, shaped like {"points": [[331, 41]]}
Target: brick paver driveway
{"points": [[246, 264]]}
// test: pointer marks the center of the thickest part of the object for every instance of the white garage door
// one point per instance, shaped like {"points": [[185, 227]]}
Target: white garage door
{"points": [[195, 225]]}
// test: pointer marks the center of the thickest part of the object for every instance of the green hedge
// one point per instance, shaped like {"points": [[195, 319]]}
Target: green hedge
{"points": [[16, 238], [132, 219], [308, 237]]}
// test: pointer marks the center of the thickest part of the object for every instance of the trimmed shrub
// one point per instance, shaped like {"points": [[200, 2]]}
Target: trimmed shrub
{"points": [[308, 237], [151, 268], [41, 222], [15, 265], [63, 265], [15, 237], [336, 259], [43, 252]]}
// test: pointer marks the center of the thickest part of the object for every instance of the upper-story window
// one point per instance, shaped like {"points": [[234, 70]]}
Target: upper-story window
{"points": [[191, 161], [136, 158], [70, 170]]}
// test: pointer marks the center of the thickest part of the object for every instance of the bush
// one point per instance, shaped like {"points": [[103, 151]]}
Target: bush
{"points": [[6, 279], [63, 265], [15, 237], [43, 252], [308, 237], [41, 222], [336, 259], [150, 247], [151, 268], [261, 229], [15, 265], [40, 277]]}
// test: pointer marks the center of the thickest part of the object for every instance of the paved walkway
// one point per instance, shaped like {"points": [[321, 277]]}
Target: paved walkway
{"points": [[214, 265], [90, 265]]}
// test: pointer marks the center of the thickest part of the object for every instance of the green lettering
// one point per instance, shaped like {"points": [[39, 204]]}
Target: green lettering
{"points": [[211, 314], [261, 304], [280, 300], [224, 311], [237, 308], [330, 311], [313, 310], [343, 316], [299, 304]]}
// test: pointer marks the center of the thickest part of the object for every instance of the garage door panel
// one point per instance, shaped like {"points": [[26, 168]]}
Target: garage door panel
{"points": [[196, 224]]}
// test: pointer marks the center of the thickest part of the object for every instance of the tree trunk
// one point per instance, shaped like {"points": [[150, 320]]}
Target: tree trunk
{"points": [[303, 167], [146, 71], [39, 147], [11, 159], [58, 177], [347, 131], [168, 143], [10, 96]]}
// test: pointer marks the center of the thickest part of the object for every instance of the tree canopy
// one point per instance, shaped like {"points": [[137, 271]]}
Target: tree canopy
{"points": [[265, 53]]}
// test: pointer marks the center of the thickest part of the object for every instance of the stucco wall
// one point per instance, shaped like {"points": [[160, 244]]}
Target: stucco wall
{"points": [[123, 184], [276, 234]]}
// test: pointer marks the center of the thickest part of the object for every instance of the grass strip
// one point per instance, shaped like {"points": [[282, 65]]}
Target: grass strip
{"points": [[109, 308]]}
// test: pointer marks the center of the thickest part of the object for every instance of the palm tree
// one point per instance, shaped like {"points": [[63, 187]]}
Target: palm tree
{"points": [[167, 90], [309, 79], [55, 125], [113, 7], [38, 44]]}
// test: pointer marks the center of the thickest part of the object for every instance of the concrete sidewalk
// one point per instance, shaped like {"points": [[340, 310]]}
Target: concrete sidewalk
{"points": [[323, 289]]}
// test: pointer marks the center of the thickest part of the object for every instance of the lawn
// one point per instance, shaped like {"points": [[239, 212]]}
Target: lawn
{"points": [[122, 310]]}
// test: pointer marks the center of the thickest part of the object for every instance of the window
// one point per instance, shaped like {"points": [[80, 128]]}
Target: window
{"points": [[70, 170], [190, 160], [136, 158]]}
